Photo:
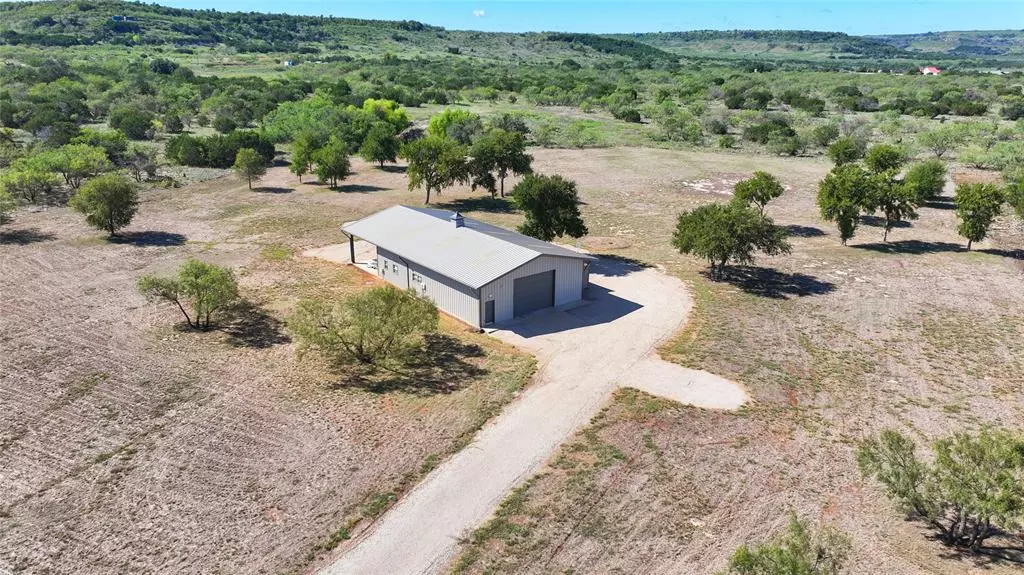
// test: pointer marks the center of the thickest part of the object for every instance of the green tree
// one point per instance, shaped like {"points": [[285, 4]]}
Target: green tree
{"points": [[825, 134], [380, 144], [29, 180], [75, 162], [7, 206], [304, 149], [202, 287], [970, 490], [846, 150], [884, 158], [944, 138], [799, 551], [551, 204], [332, 163], [108, 202], [896, 201], [977, 205], [501, 153], [724, 233], [435, 163], [141, 161], [459, 125], [925, 180], [249, 164], [135, 123], [380, 327], [842, 195], [758, 190]]}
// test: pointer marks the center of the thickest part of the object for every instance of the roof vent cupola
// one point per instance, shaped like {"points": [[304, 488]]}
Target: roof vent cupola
{"points": [[458, 220]]}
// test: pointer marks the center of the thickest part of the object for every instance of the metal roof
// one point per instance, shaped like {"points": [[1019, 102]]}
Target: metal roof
{"points": [[474, 254]]}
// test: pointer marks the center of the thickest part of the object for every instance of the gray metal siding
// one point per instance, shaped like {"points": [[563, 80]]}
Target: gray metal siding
{"points": [[532, 293], [568, 284], [447, 294]]}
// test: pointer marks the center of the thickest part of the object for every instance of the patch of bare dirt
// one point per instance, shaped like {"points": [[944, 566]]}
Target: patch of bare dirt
{"points": [[130, 446]]}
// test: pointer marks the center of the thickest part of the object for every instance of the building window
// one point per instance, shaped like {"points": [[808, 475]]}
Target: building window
{"points": [[416, 277], [394, 268]]}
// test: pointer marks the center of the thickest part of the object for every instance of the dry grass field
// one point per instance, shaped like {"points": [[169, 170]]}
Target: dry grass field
{"points": [[834, 343], [130, 446], [127, 445]]}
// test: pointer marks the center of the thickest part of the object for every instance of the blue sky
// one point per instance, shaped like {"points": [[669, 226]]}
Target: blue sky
{"points": [[850, 16]]}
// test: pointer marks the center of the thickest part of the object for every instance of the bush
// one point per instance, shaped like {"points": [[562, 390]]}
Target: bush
{"points": [[766, 130], [217, 151], [972, 488], [108, 202], [798, 551], [786, 145], [846, 150], [205, 288], [726, 142], [824, 135], [135, 123], [716, 126], [926, 180], [380, 327], [224, 124]]}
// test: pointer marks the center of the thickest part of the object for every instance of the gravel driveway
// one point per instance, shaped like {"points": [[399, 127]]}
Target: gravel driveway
{"points": [[584, 354]]}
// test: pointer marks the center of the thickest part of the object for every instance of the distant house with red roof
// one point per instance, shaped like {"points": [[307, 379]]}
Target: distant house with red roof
{"points": [[930, 71]]}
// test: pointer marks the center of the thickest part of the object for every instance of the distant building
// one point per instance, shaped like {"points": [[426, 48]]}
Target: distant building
{"points": [[930, 71], [288, 63], [120, 18]]}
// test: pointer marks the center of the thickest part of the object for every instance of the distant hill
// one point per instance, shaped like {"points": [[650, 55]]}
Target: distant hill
{"points": [[973, 43], [114, 22]]}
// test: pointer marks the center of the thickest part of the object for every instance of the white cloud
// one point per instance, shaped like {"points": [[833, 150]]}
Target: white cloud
{"points": [[479, 13]]}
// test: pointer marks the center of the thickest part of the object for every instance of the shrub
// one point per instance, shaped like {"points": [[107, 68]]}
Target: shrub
{"points": [[972, 488], [926, 180], [205, 288], [726, 142], [108, 202], [798, 551], [135, 123], [825, 134], [380, 327], [846, 150]]}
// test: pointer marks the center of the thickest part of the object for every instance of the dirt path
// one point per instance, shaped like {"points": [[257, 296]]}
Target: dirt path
{"points": [[584, 355]]}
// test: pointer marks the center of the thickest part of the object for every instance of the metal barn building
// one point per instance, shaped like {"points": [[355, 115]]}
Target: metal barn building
{"points": [[479, 273]]}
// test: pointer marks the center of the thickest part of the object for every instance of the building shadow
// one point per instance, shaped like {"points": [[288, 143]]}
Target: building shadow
{"points": [[249, 325], [479, 204], [358, 188], [443, 364], [772, 283], [911, 247], [804, 231], [273, 190], [602, 306], [149, 239], [25, 237], [616, 266]]}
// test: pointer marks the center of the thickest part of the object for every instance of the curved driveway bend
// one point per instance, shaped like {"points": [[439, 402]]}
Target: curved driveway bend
{"points": [[583, 355]]}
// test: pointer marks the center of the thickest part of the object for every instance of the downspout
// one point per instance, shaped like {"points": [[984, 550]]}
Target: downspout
{"points": [[351, 246], [408, 280]]}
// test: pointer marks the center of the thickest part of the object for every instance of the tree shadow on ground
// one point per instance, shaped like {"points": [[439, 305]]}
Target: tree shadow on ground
{"points": [[1001, 549], [25, 237], [440, 366], [772, 283], [878, 222], [395, 169], [614, 265], [1016, 254], [149, 239], [479, 204], [804, 231], [358, 188], [941, 203], [249, 325], [273, 190], [911, 247]]}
